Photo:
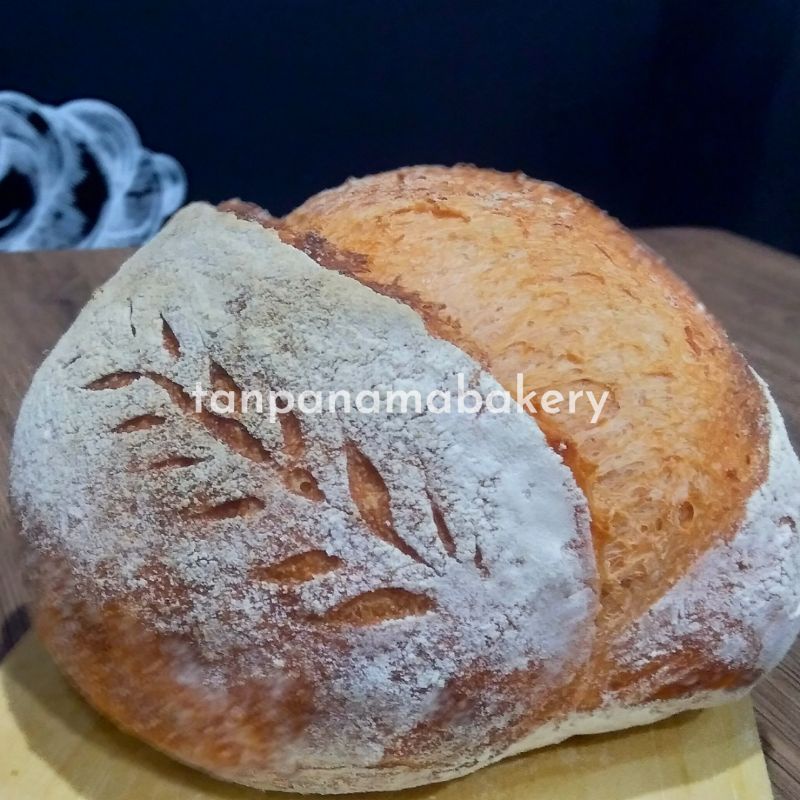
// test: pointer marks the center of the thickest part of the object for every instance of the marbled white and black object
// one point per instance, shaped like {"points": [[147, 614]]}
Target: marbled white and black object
{"points": [[77, 176]]}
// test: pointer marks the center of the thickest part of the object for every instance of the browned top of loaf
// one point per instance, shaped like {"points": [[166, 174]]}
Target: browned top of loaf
{"points": [[531, 278]]}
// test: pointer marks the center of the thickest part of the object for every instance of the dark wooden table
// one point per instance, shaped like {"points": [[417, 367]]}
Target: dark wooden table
{"points": [[754, 290]]}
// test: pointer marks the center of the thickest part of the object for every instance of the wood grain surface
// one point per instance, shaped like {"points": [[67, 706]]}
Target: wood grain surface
{"points": [[754, 290]]}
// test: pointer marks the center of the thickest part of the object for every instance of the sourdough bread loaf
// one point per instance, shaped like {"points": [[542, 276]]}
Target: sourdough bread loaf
{"points": [[363, 601]]}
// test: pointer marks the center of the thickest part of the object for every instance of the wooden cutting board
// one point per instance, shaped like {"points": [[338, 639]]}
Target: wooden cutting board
{"points": [[53, 746]]}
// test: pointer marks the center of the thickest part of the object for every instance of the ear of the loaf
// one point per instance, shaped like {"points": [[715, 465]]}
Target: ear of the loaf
{"points": [[357, 265]]}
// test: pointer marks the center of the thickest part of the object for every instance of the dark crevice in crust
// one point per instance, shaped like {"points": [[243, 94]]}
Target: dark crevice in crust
{"points": [[371, 497], [142, 422], [238, 507], [379, 605], [442, 530], [170, 340], [355, 265], [298, 568]]}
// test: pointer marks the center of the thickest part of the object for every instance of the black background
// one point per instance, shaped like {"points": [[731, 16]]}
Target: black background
{"points": [[664, 113]]}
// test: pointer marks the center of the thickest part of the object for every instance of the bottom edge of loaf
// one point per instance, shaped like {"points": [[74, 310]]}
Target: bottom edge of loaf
{"points": [[346, 779]]}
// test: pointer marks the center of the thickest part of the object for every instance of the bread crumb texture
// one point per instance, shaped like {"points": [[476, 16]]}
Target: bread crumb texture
{"points": [[349, 602]]}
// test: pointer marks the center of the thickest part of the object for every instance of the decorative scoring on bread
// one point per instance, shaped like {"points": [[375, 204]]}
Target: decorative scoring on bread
{"points": [[416, 568]]}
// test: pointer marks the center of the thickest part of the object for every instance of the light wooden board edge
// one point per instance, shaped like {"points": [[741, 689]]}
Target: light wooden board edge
{"points": [[53, 746]]}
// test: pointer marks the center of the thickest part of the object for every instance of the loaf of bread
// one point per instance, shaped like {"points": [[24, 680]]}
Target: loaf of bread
{"points": [[352, 601]]}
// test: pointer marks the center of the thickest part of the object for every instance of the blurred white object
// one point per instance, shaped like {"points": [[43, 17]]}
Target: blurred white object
{"points": [[77, 176]]}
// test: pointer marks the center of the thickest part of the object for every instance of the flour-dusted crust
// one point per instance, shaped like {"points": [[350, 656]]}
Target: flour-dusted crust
{"points": [[350, 602], [317, 603]]}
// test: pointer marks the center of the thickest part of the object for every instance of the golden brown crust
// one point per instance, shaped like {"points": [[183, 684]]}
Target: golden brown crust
{"points": [[356, 265], [553, 288], [155, 685]]}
